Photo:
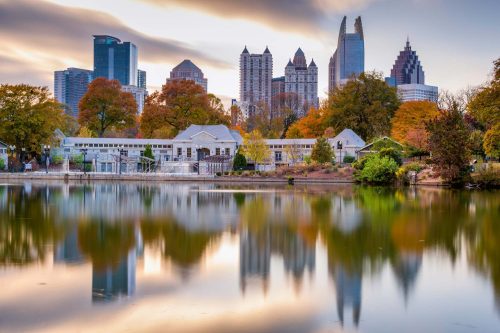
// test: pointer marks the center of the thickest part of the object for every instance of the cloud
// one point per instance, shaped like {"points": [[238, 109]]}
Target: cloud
{"points": [[303, 16], [38, 31]]}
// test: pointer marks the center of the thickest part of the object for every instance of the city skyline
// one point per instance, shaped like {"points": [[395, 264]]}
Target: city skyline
{"points": [[35, 45]]}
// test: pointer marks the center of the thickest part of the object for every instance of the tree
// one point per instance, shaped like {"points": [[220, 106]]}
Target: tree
{"points": [[448, 143], [476, 142], [365, 104], [148, 153], [272, 126], [85, 133], [322, 151], [293, 152], [408, 123], [181, 103], [492, 141], [485, 105], [28, 116], [105, 105], [255, 147], [240, 162], [310, 126]]}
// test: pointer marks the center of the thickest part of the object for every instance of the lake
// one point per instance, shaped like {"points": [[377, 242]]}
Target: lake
{"points": [[186, 257]]}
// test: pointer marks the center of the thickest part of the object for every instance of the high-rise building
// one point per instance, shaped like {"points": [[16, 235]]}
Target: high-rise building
{"points": [[141, 79], [115, 60], [407, 68], [417, 92], [256, 74], [302, 80], [69, 87], [139, 94], [349, 58], [186, 70], [277, 86]]}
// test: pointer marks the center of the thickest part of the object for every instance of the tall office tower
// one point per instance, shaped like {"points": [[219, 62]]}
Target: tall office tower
{"points": [[69, 87], [407, 68], [115, 60], [141, 79], [186, 70], [139, 94], [302, 80], [256, 75], [349, 58]]}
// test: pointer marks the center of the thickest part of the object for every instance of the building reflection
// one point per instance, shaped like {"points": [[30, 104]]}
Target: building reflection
{"points": [[67, 250], [348, 292], [112, 282]]}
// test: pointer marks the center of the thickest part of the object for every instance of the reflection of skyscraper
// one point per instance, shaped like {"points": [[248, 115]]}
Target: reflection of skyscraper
{"points": [[113, 282], [348, 288], [68, 251], [406, 269], [255, 257]]}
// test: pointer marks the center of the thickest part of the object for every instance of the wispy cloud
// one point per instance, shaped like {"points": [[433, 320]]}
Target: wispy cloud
{"points": [[303, 16], [39, 31]]}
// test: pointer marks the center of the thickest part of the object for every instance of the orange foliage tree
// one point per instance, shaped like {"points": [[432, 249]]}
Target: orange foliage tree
{"points": [[310, 126], [180, 103], [408, 123], [106, 106]]}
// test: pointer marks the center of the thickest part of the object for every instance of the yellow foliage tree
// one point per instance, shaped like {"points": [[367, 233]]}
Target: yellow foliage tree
{"points": [[408, 123], [255, 147]]}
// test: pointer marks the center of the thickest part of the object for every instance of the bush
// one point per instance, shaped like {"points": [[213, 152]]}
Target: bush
{"points": [[2, 164], [378, 170], [322, 151], [402, 173], [307, 159], [240, 162], [360, 164], [393, 153], [57, 159], [348, 159], [489, 177]]}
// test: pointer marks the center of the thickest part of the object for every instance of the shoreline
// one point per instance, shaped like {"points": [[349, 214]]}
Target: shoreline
{"points": [[90, 177]]}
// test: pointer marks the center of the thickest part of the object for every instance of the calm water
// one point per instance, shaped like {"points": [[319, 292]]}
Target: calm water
{"points": [[247, 258]]}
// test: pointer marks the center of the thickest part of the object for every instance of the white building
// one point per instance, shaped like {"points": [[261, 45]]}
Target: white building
{"points": [[256, 74], [139, 94], [302, 80], [3, 154], [417, 92]]}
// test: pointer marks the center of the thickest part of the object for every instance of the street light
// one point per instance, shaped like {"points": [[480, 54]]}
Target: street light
{"points": [[84, 152], [120, 151], [12, 149], [46, 150], [339, 147], [198, 158]]}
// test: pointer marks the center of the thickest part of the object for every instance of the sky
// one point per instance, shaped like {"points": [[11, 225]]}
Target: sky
{"points": [[456, 40]]}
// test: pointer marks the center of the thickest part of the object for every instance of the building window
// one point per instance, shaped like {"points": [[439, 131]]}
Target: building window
{"points": [[228, 151], [217, 151], [188, 152], [277, 156], [179, 151]]}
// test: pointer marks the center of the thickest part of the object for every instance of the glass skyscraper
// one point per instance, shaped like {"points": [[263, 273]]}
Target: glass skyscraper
{"points": [[115, 60], [349, 58], [407, 68], [69, 87]]}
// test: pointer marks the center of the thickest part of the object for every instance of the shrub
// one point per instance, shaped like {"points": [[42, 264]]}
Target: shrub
{"points": [[402, 173], [2, 164], [348, 159], [489, 177], [392, 153], [57, 159], [360, 164], [378, 170], [307, 159], [77, 159]]}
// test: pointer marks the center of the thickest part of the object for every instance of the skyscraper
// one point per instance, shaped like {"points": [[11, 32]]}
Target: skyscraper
{"points": [[349, 58], [256, 74], [407, 68], [186, 70], [115, 60], [69, 87], [302, 80], [141, 79]]}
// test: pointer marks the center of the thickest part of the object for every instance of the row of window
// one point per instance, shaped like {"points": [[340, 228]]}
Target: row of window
{"points": [[115, 145], [298, 146]]}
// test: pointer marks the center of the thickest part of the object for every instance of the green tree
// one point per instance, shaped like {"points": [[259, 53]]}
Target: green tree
{"points": [[181, 103], [448, 143], [106, 106], [365, 104], [378, 170], [29, 116], [392, 153], [255, 148], [492, 141], [476, 142], [322, 151], [240, 162]]}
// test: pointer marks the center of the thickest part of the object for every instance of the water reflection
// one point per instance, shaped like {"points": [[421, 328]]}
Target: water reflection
{"points": [[362, 231]]}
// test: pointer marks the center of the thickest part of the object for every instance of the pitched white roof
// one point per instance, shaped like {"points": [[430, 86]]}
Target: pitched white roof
{"points": [[349, 139], [219, 132]]}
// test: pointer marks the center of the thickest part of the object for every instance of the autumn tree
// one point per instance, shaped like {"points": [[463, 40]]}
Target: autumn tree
{"points": [[293, 152], [365, 104], [491, 142], [85, 133], [272, 126], [255, 148], [311, 125], [180, 104], [448, 143], [408, 123], [29, 116], [322, 151], [106, 106]]}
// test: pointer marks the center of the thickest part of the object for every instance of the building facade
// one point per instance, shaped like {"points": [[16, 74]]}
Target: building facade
{"points": [[141, 79], [418, 92], [349, 58], [256, 75], [69, 87], [407, 68], [302, 81], [115, 60], [186, 70], [139, 94], [3, 155]]}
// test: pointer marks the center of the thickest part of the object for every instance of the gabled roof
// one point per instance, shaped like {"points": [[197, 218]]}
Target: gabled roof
{"points": [[312, 64], [245, 50], [219, 132], [3, 144], [349, 139], [380, 139]]}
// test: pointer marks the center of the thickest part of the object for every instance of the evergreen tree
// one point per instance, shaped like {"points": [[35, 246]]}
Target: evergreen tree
{"points": [[322, 151], [240, 162]]}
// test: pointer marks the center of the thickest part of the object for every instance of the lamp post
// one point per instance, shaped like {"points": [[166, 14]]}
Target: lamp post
{"points": [[339, 147], [12, 149], [84, 152], [46, 150], [120, 151], [198, 158]]}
